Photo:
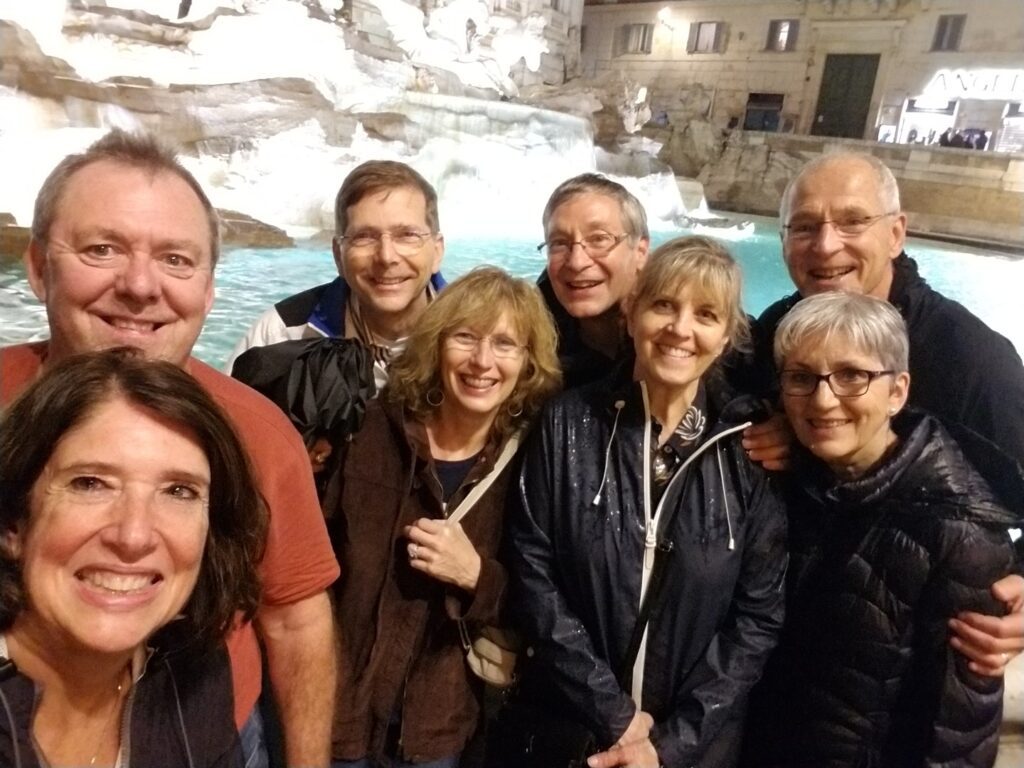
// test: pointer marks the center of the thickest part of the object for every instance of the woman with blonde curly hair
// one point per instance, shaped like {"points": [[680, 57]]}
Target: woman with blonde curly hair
{"points": [[475, 371]]}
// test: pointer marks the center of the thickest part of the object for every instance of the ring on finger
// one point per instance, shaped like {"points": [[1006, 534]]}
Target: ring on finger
{"points": [[413, 551], [1006, 658]]}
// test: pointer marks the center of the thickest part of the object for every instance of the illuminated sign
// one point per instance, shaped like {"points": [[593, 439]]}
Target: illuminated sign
{"points": [[996, 84]]}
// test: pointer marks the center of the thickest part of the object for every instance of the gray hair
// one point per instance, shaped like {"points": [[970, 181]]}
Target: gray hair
{"points": [[888, 189], [633, 216], [134, 150], [867, 324], [705, 264]]}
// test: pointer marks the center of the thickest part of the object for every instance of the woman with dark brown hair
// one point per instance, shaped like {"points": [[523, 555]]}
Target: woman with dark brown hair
{"points": [[130, 530]]}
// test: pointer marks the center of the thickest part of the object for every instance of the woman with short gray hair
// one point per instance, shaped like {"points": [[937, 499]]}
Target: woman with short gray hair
{"points": [[892, 532]]}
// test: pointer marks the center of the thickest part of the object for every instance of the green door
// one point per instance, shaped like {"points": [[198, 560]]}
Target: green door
{"points": [[845, 95]]}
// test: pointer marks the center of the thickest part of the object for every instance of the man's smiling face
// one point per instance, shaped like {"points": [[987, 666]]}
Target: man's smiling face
{"points": [[844, 190], [589, 286], [127, 262]]}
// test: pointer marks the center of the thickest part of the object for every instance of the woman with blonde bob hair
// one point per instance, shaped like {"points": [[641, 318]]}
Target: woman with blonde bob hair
{"points": [[895, 528], [645, 549], [474, 373]]}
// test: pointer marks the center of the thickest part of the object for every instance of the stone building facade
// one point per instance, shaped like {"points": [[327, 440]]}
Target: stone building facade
{"points": [[890, 70]]}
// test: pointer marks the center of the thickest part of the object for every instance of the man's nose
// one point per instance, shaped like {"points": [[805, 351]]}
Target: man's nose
{"points": [[139, 277], [827, 239], [578, 259], [386, 252]]}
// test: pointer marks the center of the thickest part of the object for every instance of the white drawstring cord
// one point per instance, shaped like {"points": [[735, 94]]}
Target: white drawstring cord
{"points": [[619, 405], [725, 496]]}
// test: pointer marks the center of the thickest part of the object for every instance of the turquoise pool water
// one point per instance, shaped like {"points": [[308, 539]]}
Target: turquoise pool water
{"points": [[248, 281]]}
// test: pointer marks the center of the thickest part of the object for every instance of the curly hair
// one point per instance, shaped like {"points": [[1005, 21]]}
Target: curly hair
{"points": [[478, 300], [62, 399]]}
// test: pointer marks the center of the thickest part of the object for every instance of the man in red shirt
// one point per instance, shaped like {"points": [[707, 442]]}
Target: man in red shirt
{"points": [[124, 244]]}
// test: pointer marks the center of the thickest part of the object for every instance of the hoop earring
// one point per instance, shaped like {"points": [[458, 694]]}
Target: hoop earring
{"points": [[435, 394], [515, 411]]}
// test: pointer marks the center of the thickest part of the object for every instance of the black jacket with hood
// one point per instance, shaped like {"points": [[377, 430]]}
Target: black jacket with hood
{"points": [[864, 675], [576, 543]]}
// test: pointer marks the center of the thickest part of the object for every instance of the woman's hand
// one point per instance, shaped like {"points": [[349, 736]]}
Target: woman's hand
{"points": [[633, 748], [638, 754], [990, 642], [443, 550]]}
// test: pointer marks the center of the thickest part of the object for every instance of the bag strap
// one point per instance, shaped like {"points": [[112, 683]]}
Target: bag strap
{"points": [[511, 446]]}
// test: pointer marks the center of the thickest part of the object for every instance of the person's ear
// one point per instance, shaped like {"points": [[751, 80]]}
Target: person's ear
{"points": [[10, 544], [899, 234], [35, 268], [643, 250], [899, 392], [435, 267], [339, 258]]}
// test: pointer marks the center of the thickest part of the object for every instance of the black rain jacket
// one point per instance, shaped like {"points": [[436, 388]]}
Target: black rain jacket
{"points": [[576, 544]]}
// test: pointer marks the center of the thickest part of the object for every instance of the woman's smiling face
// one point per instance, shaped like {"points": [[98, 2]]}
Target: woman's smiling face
{"points": [[117, 527], [850, 434]]}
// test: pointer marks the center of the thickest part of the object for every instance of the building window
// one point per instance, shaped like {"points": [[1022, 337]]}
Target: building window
{"points": [[782, 35], [706, 37], [948, 32], [764, 112], [634, 38], [559, 6]]}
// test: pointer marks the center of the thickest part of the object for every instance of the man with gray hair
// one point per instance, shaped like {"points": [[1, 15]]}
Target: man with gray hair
{"points": [[843, 230], [596, 241]]}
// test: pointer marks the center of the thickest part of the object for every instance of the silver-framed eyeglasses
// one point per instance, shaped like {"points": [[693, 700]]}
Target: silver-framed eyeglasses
{"points": [[406, 242], [846, 382], [501, 345], [846, 226], [596, 244]]}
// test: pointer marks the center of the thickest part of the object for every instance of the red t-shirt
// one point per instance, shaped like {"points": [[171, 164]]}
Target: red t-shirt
{"points": [[299, 561]]}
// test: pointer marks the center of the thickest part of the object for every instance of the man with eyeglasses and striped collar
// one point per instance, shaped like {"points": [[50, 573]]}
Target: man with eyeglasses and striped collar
{"points": [[843, 230], [388, 249]]}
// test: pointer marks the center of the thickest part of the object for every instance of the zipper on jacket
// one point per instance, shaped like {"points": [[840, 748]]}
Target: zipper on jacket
{"points": [[651, 526]]}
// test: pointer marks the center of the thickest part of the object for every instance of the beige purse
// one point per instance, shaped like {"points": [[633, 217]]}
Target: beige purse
{"points": [[491, 655]]}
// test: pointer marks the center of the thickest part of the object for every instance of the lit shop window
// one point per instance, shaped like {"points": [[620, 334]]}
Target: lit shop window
{"points": [[948, 31], [782, 35], [634, 38], [706, 37]]}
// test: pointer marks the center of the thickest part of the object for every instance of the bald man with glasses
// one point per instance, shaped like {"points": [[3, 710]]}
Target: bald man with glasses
{"points": [[843, 230]]}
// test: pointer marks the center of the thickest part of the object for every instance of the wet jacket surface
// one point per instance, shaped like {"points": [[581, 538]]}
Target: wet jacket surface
{"points": [[960, 369], [576, 562], [180, 713], [398, 635], [864, 675]]}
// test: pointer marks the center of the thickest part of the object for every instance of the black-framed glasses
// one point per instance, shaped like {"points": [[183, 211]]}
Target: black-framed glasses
{"points": [[501, 346], [406, 242], [596, 244], [846, 226], [846, 382]]}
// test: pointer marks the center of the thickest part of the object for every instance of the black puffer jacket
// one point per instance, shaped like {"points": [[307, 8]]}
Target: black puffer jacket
{"points": [[576, 548], [864, 675]]}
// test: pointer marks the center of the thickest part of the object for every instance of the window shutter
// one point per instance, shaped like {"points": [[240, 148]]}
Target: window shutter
{"points": [[691, 42]]}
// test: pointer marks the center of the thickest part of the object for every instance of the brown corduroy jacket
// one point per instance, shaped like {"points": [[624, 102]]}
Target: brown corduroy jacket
{"points": [[400, 652]]}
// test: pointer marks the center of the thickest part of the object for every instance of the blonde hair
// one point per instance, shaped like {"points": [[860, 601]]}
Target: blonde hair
{"points": [[705, 264], [477, 300]]}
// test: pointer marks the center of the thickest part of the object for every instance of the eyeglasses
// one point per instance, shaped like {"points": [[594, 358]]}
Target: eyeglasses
{"points": [[846, 382], [107, 256], [849, 226], [406, 242], [596, 244], [501, 346]]}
